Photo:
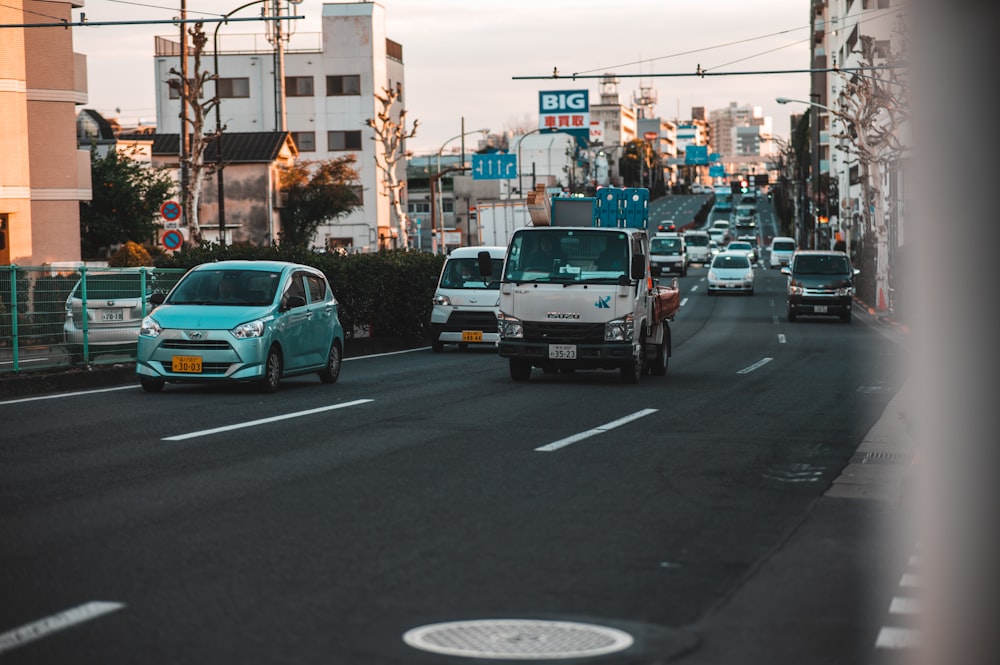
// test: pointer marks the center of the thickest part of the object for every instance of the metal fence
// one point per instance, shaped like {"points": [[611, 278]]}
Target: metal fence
{"points": [[53, 317]]}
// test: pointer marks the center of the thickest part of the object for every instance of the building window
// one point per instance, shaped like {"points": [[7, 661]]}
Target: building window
{"points": [[343, 85], [359, 191], [299, 86], [305, 141], [173, 94], [343, 140], [419, 207], [231, 88]]}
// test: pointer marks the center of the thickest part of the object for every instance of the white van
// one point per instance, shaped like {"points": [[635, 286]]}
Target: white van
{"points": [[696, 243], [466, 302], [782, 249]]}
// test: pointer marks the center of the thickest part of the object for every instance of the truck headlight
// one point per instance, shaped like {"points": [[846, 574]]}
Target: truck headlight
{"points": [[442, 300], [248, 330], [794, 290], [509, 327], [149, 327], [620, 330], [845, 291]]}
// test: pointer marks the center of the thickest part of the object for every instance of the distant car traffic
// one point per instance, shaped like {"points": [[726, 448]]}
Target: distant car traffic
{"points": [[242, 321], [730, 271], [820, 282], [696, 243], [745, 247], [781, 251], [668, 253]]}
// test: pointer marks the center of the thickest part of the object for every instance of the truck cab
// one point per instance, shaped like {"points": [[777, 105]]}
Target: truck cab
{"points": [[583, 297], [465, 300]]}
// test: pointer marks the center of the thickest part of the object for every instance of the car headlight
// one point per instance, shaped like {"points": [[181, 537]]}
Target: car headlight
{"points": [[845, 291], [749, 276], [248, 330], [794, 290], [149, 327], [442, 300], [620, 330], [509, 327]]}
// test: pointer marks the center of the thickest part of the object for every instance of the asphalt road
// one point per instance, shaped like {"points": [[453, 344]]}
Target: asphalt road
{"points": [[322, 523]]}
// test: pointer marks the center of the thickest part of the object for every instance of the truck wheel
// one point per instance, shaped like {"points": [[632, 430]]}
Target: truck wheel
{"points": [[631, 371], [659, 364], [520, 369]]}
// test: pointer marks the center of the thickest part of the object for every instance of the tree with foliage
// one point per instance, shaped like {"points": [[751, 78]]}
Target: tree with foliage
{"points": [[637, 157], [191, 95], [314, 193], [390, 138], [127, 196]]}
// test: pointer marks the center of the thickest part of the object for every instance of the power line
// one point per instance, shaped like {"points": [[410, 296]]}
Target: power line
{"points": [[701, 73]]}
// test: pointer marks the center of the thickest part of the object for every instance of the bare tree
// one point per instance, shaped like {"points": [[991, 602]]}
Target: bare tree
{"points": [[390, 139], [873, 106], [192, 95]]}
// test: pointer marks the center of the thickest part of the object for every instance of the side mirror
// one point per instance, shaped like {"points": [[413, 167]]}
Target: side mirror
{"points": [[485, 264], [157, 299], [291, 302], [638, 267], [786, 271]]}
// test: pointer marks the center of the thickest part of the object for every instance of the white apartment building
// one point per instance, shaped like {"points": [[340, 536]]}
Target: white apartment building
{"points": [[330, 82]]}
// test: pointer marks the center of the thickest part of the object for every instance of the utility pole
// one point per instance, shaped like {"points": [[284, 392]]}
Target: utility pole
{"points": [[184, 142]]}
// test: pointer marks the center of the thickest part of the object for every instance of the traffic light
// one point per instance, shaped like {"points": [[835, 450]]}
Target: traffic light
{"points": [[744, 186]]}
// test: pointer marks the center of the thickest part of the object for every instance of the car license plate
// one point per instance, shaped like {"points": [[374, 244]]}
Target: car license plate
{"points": [[562, 351], [472, 335], [186, 364], [819, 309], [112, 315]]}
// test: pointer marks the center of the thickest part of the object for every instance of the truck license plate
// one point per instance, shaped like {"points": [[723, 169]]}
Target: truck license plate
{"points": [[819, 309], [186, 364], [472, 335], [562, 351]]}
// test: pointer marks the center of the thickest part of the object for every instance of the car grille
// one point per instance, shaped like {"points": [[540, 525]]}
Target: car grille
{"points": [[474, 320], [565, 333], [195, 345]]}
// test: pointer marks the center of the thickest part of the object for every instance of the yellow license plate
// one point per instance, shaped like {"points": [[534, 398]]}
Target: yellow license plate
{"points": [[472, 335], [186, 364]]}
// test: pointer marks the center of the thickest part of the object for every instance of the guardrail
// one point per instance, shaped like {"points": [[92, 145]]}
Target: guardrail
{"points": [[52, 317]]}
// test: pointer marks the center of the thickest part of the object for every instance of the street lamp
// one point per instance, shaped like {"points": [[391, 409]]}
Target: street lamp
{"points": [[440, 212]]}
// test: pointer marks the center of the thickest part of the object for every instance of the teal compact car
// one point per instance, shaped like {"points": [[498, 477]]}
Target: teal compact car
{"points": [[242, 321]]}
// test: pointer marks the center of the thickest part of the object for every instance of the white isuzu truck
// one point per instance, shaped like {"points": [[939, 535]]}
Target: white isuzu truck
{"points": [[577, 293]]}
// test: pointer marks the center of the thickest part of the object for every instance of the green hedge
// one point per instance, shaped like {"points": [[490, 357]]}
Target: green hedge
{"points": [[384, 294]]}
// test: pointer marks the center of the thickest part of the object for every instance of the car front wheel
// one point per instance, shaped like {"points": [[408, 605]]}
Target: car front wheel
{"points": [[272, 372], [151, 385]]}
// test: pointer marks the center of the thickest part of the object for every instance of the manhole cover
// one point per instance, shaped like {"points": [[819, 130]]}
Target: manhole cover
{"points": [[517, 639]]}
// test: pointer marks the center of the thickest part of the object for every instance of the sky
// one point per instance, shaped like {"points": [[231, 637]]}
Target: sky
{"points": [[468, 59]]}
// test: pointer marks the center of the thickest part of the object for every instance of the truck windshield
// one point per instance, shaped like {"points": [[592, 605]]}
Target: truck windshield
{"points": [[567, 255]]}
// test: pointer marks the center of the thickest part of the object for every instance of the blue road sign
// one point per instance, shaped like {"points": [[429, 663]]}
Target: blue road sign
{"points": [[494, 166]]}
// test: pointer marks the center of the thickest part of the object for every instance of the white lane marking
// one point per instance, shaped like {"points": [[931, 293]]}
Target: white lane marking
{"points": [[683, 301], [73, 394], [600, 429], [694, 288], [774, 319], [43, 627], [909, 580], [133, 386], [781, 338], [897, 638], [263, 421], [757, 365], [902, 605]]}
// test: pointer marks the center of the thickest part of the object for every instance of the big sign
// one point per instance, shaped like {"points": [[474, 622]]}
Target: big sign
{"points": [[565, 110]]}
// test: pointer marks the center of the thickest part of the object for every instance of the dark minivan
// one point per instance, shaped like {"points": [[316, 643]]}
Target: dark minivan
{"points": [[821, 283]]}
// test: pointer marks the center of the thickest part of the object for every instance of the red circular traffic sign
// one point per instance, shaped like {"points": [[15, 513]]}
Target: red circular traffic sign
{"points": [[172, 239], [171, 211]]}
